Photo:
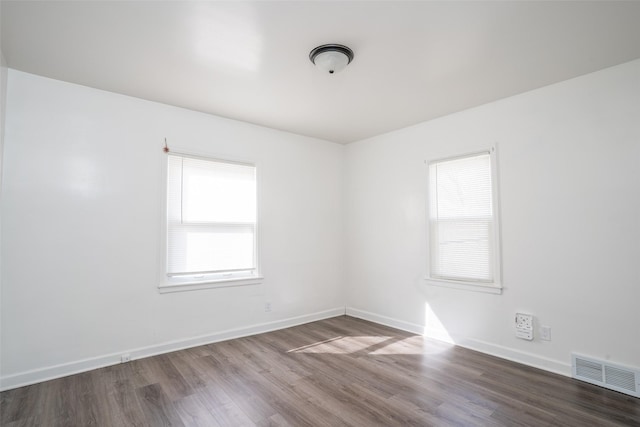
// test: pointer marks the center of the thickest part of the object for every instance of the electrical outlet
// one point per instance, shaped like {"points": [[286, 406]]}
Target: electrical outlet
{"points": [[125, 358], [267, 307], [545, 333]]}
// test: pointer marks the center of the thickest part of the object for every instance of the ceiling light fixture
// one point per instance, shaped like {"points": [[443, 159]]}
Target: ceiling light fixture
{"points": [[331, 58]]}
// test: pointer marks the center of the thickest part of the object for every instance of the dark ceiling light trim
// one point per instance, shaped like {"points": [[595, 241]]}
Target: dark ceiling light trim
{"points": [[331, 58]]}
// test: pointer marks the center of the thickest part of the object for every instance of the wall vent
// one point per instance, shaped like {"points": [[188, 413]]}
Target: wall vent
{"points": [[607, 375]]}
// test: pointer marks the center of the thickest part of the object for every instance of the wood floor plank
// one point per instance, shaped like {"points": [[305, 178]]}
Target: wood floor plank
{"points": [[13, 403], [232, 415], [164, 373], [123, 405], [194, 413], [336, 372], [275, 421], [229, 376], [24, 422], [223, 410], [157, 408]]}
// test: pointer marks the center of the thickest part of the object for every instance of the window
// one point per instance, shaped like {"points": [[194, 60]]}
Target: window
{"points": [[463, 226], [211, 221]]}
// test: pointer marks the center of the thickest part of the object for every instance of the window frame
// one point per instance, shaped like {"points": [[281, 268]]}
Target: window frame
{"points": [[495, 286], [189, 282]]}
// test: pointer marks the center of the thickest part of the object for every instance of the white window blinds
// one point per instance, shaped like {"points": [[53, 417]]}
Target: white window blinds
{"points": [[211, 217], [461, 220]]}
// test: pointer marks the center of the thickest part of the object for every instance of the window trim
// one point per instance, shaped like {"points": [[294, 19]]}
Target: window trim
{"points": [[179, 283], [494, 287]]}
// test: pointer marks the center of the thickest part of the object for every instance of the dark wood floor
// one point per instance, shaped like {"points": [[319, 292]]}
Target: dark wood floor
{"points": [[336, 372]]}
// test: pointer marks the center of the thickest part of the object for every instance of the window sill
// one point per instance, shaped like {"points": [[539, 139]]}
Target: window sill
{"points": [[465, 286], [209, 284]]}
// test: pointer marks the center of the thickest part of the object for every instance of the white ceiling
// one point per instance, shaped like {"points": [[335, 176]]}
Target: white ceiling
{"points": [[414, 60]]}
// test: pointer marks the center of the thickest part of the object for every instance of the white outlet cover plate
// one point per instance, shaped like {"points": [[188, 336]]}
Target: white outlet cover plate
{"points": [[545, 333]]}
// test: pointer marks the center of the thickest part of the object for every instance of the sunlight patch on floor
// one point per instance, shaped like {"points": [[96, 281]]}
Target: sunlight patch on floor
{"points": [[373, 345]]}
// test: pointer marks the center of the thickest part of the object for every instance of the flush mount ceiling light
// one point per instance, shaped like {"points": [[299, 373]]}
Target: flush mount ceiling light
{"points": [[331, 58]]}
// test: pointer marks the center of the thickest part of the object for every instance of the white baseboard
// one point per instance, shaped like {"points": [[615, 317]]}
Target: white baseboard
{"points": [[52, 372], [518, 356], [502, 352]]}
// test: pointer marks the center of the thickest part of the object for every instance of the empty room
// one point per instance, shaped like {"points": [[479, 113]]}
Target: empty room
{"points": [[320, 213]]}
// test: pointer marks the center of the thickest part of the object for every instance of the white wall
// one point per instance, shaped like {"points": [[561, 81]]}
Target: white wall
{"points": [[81, 229], [569, 165]]}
